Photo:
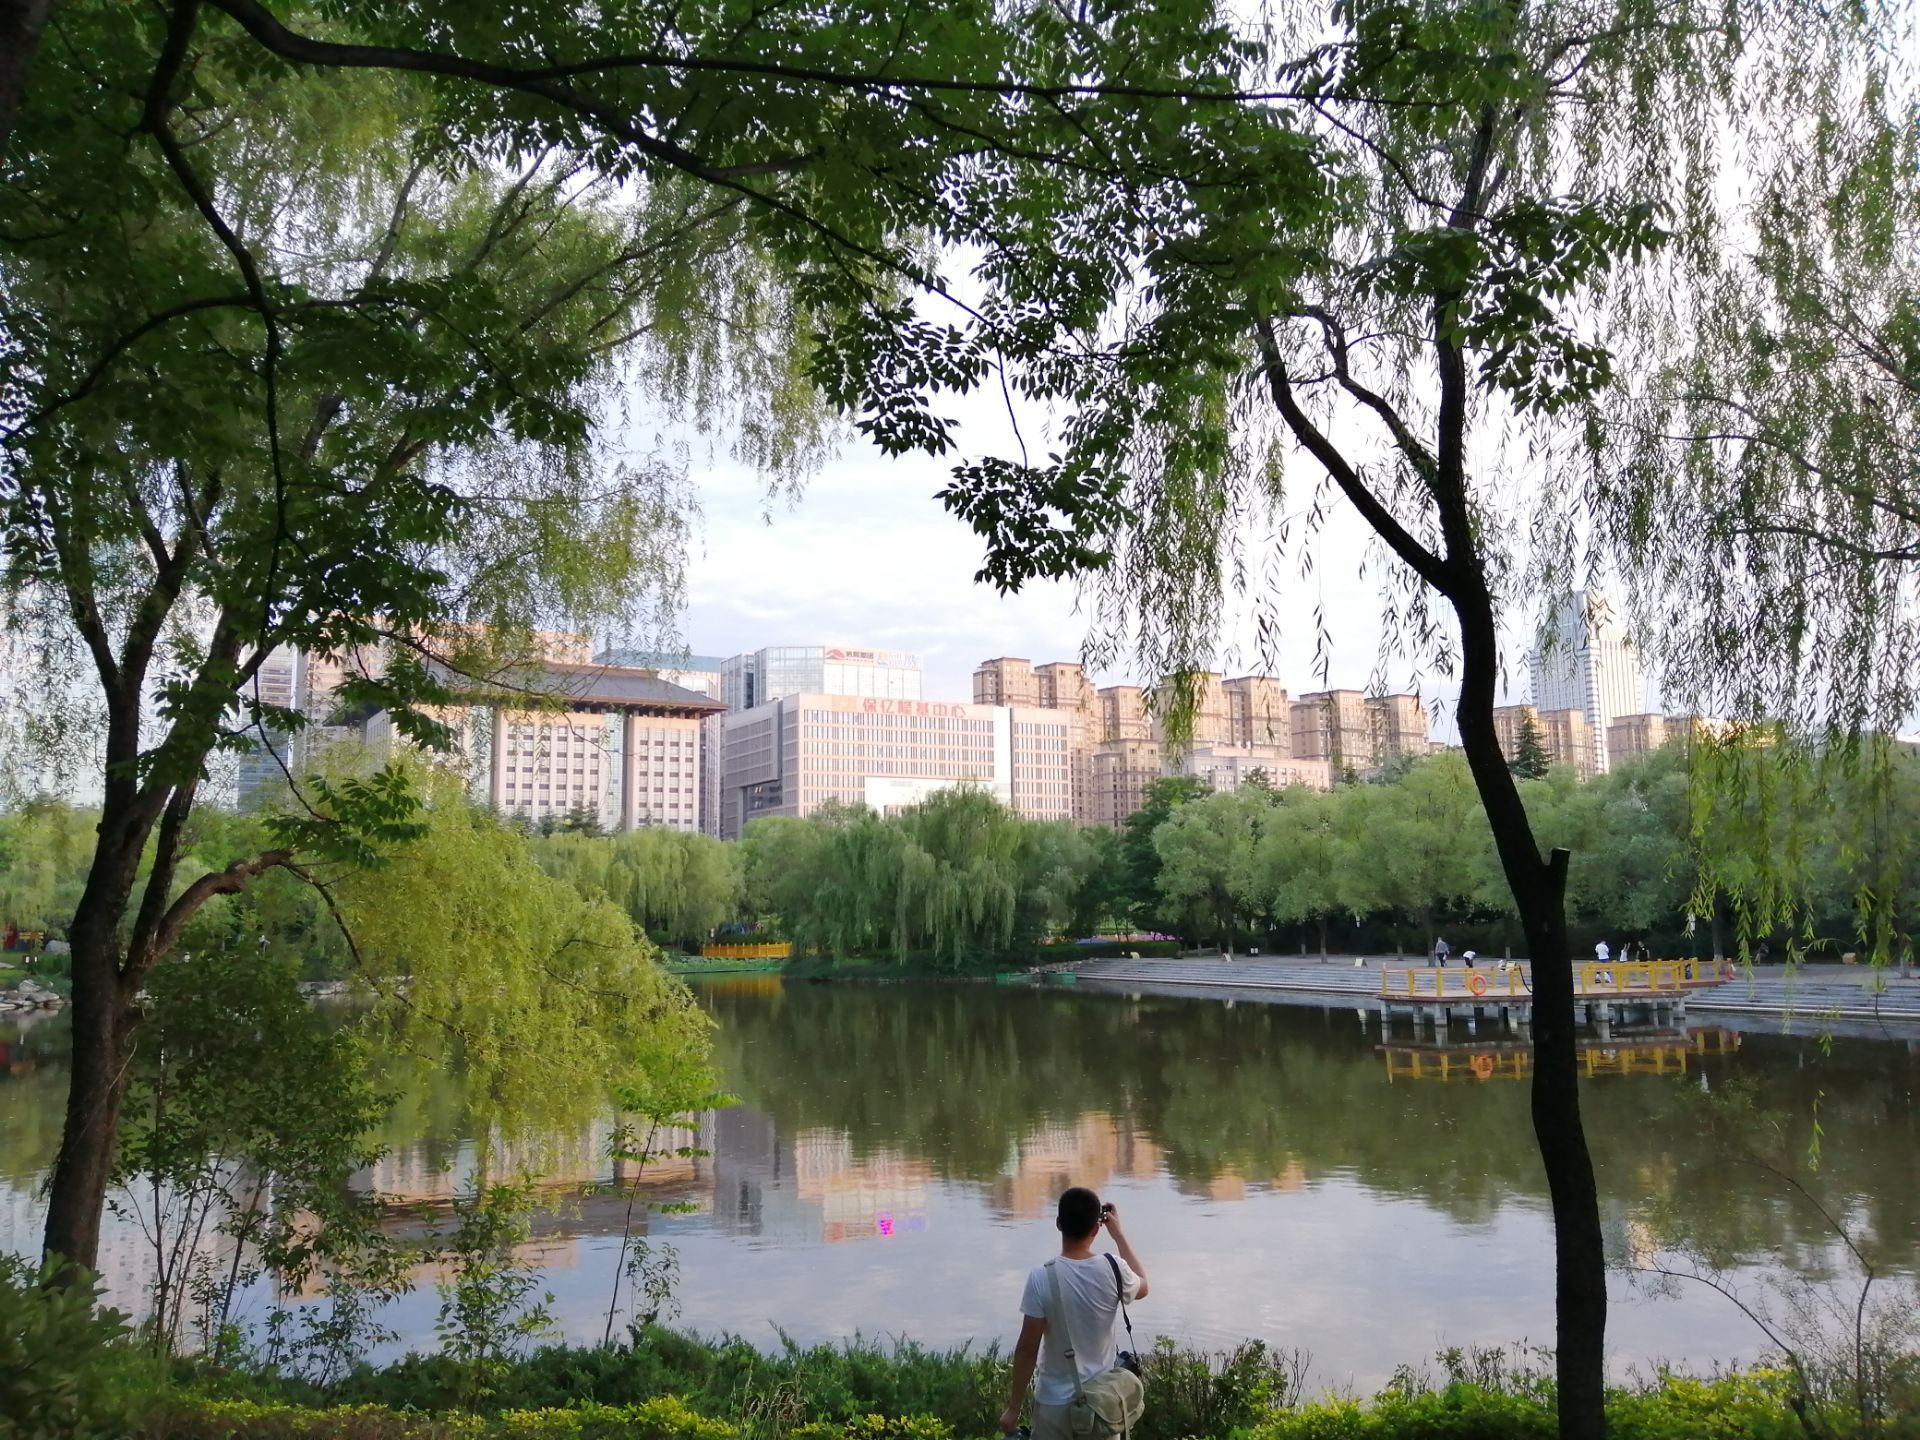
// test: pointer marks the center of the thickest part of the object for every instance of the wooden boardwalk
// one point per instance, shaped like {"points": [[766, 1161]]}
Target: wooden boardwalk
{"points": [[1607, 991]]}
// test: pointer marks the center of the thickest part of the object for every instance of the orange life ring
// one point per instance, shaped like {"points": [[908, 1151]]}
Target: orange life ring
{"points": [[1477, 984], [1483, 1067]]}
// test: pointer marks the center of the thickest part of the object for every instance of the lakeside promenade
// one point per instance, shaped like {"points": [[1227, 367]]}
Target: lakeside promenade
{"points": [[1818, 996]]}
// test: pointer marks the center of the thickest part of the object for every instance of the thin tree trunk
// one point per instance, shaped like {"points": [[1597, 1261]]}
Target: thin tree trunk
{"points": [[21, 22], [1539, 892], [97, 1085]]}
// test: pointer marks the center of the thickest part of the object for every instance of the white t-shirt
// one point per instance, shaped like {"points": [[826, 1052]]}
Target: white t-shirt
{"points": [[1600, 952], [1092, 1303]]}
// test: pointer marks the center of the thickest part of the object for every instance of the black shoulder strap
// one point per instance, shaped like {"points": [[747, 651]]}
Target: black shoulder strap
{"points": [[1120, 1289]]}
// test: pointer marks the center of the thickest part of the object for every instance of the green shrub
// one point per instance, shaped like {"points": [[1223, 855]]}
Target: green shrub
{"points": [[1752, 1404], [1190, 1392], [665, 1417], [765, 1394], [875, 1427], [68, 1371]]}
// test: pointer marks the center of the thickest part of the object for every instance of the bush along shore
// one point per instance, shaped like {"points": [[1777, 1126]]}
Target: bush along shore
{"points": [[668, 1385]]}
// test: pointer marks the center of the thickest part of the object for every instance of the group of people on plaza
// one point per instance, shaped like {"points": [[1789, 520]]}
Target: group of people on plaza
{"points": [[1602, 952]]}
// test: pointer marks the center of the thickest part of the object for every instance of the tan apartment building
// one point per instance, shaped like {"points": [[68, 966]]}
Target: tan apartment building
{"points": [[1571, 741], [1228, 767], [1632, 735], [1398, 724], [1006, 681], [1117, 743], [1125, 714], [1564, 734], [1352, 730], [1121, 771], [1064, 686], [796, 754], [1333, 725], [1509, 721], [1212, 719], [1259, 713]]}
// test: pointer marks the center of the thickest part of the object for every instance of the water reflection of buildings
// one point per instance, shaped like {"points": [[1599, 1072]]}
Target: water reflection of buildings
{"points": [[1089, 1150], [1662, 1052], [1095, 1149], [812, 1184]]}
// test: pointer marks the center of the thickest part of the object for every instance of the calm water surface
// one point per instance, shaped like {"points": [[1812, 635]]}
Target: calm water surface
{"points": [[892, 1166]]}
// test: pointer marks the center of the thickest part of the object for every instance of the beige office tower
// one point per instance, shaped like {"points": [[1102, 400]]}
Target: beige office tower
{"points": [[1570, 741], [1006, 681], [1399, 726], [1632, 735], [1260, 712]]}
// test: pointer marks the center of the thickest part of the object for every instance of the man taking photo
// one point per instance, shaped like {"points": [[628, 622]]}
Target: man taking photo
{"points": [[1091, 1289]]}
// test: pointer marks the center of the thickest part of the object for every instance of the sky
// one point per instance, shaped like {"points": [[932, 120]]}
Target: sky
{"points": [[866, 556]]}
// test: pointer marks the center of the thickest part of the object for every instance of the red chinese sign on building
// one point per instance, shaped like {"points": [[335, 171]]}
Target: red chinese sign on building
{"points": [[933, 709]]}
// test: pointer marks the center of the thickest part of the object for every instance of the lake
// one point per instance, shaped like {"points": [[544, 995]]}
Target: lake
{"points": [[892, 1167]]}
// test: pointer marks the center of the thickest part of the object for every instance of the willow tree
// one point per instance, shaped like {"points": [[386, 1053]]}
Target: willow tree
{"points": [[1762, 494], [1409, 274], [287, 371]]}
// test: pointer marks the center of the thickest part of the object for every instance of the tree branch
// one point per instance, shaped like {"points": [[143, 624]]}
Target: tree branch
{"points": [[233, 880], [544, 80], [1422, 561]]}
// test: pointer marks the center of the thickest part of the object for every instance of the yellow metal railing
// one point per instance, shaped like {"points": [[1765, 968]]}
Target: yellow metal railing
{"points": [[1590, 977], [778, 950], [1626, 977], [1474, 983]]}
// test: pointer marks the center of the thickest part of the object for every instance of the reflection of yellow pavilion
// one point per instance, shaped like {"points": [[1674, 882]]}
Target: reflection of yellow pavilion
{"points": [[1665, 1053]]}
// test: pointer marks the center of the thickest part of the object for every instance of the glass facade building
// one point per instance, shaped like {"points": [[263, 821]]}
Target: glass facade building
{"points": [[760, 677]]}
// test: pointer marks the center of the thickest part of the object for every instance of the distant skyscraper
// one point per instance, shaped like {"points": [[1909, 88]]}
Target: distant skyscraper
{"points": [[1582, 661], [260, 775]]}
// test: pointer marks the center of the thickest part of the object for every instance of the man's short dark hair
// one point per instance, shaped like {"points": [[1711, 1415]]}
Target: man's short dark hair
{"points": [[1079, 1213]]}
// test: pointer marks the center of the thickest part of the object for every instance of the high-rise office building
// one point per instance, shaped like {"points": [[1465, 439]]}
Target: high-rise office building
{"points": [[799, 752], [760, 676], [1582, 660], [260, 772]]}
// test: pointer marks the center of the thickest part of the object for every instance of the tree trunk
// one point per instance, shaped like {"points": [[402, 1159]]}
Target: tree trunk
{"points": [[1323, 938], [1539, 893], [102, 1045], [21, 22]]}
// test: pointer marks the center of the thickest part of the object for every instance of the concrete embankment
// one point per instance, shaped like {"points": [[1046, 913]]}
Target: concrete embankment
{"points": [[1814, 995]]}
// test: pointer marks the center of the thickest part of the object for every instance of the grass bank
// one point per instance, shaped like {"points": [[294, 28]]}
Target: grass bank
{"points": [[668, 1385]]}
